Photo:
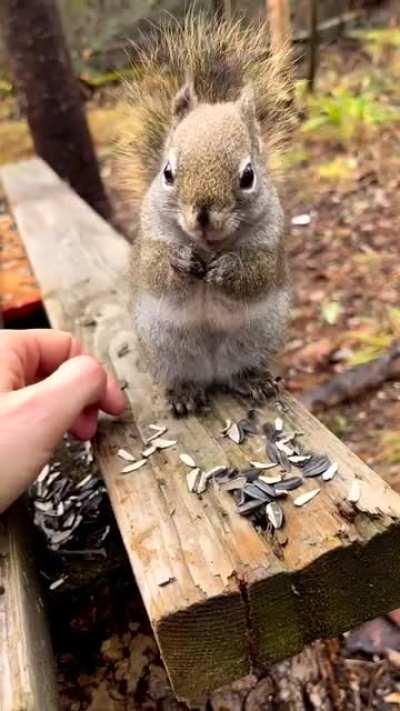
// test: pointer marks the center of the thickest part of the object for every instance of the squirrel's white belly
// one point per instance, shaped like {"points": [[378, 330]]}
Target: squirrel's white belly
{"points": [[205, 308]]}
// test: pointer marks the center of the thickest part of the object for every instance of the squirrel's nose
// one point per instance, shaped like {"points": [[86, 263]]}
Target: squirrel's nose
{"points": [[203, 216]]}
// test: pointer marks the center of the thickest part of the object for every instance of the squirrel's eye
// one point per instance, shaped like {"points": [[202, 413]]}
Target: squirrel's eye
{"points": [[247, 177], [168, 174]]}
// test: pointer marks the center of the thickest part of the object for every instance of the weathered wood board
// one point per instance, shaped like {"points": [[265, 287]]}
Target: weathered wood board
{"points": [[220, 596], [27, 673]]}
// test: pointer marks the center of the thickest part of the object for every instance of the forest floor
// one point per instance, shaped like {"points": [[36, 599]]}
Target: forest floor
{"points": [[343, 179]]}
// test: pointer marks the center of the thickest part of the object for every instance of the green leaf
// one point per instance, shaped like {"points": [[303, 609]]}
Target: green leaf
{"points": [[331, 311]]}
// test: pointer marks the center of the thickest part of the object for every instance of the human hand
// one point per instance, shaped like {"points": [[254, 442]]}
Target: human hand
{"points": [[48, 386]]}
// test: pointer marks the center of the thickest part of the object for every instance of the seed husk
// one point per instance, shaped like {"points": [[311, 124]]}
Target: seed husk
{"points": [[330, 472], [43, 474], [267, 489], [202, 483], [160, 443], [127, 456], [215, 471], [316, 466], [57, 583], [228, 424], [305, 498], [271, 479], [255, 492], [248, 507], [187, 459], [248, 426], [235, 434], [288, 484], [133, 467], [149, 451], [158, 432], [274, 514], [354, 492], [272, 452], [278, 424], [264, 465], [233, 484], [284, 448], [193, 478], [299, 458], [83, 482]]}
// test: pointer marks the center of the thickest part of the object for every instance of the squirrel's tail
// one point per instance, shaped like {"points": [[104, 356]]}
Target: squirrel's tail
{"points": [[219, 58]]}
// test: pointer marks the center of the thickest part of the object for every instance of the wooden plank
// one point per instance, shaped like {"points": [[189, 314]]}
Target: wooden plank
{"points": [[220, 596], [27, 674]]}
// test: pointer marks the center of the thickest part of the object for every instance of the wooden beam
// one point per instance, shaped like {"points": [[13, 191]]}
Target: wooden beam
{"points": [[220, 596], [27, 673]]}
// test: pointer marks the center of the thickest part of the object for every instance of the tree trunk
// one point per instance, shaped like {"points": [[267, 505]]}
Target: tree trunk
{"points": [[49, 94]]}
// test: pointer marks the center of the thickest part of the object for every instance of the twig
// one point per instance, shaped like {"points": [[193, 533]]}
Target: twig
{"points": [[333, 23], [355, 381]]}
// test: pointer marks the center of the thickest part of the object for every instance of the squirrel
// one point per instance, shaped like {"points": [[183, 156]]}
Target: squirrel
{"points": [[208, 114]]}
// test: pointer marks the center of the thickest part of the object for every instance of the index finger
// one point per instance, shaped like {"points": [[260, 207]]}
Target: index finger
{"points": [[26, 356]]}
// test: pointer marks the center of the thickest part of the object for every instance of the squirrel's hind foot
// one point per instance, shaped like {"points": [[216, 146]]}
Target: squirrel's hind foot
{"points": [[186, 399], [255, 385]]}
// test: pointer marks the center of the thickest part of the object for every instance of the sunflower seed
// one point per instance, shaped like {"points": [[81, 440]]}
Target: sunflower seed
{"points": [[278, 424], [248, 507], [254, 492], [274, 514], [299, 458], [267, 489], [228, 424], [270, 479], [43, 474], [82, 483], [133, 467], [215, 471], [288, 484], [330, 472], [57, 583], [354, 492], [201, 485], [158, 431], [235, 434], [193, 479], [272, 452], [149, 451], [305, 498], [233, 484], [316, 465], [45, 506], [264, 465], [187, 459], [127, 456], [284, 448], [160, 443], [248, 427]]}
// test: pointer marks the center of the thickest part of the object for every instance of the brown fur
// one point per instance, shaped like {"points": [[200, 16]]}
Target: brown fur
{"points": [[220, 58]]}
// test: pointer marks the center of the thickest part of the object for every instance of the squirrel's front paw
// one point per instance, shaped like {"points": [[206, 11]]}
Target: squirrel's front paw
{"points": [[183, 259], [222, 269]]}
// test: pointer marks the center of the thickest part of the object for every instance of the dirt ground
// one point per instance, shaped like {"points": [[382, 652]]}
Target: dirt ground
{"points": [[343, 178]]}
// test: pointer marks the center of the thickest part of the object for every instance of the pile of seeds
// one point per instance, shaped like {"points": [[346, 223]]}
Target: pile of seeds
{"points": [[63, 507], [258, 494]]}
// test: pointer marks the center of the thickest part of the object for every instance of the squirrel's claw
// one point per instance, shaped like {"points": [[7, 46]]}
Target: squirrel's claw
{"points": [[183, 259], [222, 269], [186, 399], [255, 385]]}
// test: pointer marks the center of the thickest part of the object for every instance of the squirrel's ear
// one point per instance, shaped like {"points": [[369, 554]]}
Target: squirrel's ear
{"points": [[247, 105], [184, 101]]}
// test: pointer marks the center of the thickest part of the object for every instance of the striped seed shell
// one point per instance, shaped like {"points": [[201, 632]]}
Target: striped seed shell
{"points": [[228, 424], [149, 451], [274, 514], [270, 479], [248, 507], [305, 498], [254, 492], [201, 484], [288, 484], [215, 471], [233, 484]]}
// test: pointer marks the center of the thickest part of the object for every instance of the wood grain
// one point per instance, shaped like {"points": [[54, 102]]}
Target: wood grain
{"points": [[220, 596], [27, 674]]}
